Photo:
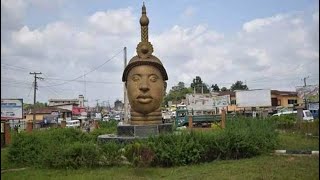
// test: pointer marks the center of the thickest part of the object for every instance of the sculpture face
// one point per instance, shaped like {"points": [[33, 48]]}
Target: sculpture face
{"points": [[146, 88]]}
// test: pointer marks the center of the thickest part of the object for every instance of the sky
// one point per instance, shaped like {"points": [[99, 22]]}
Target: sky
{"points": [[78, 45]]}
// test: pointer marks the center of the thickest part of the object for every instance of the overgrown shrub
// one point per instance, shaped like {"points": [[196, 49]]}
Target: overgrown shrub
{"points": [[72, 148], [176, 149], [80, 154], [45, 147], [140, 154], [285, 122], [112, 153], [105, 127]]}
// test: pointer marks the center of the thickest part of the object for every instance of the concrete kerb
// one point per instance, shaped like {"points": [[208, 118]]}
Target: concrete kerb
{"points": [[296, 152]]}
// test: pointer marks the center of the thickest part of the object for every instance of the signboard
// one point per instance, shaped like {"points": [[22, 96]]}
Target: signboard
{"points": [[254, 98], [313, 106], [221, 101], [199, 102], [11, 108]]}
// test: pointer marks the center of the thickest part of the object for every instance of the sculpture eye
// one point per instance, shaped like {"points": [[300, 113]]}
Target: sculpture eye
{"points": [[135, 78], [153, 78]]}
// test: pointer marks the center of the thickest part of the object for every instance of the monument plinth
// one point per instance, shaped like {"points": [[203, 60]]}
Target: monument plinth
{"points": [[145, 79]]}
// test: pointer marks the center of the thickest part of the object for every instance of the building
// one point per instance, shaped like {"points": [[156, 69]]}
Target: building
{"points": [[279, 99], [48, 113], [61, 102], [76, 106]]}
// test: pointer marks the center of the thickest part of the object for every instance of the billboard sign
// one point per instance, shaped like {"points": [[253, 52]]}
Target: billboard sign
{"points": [[221, 101], [199, 102], [313, 106], [254, 98], [11, 108]]}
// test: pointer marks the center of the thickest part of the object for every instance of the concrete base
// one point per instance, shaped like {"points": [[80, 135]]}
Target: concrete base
{"points": [[129, 133]]}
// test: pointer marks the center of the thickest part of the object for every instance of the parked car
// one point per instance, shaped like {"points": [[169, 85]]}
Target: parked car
{"points": [[106, 118], [117, 117], [315, 113], [73, 124], [307, 116]]}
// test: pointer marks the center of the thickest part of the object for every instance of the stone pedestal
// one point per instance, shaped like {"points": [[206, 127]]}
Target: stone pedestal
{"points": [[128, 133]]}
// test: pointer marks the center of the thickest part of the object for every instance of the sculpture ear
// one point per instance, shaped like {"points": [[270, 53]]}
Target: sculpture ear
{"points": [[165, 87]]}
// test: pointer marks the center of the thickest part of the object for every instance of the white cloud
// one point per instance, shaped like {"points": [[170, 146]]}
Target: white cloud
{"points": [[113, 21], [260, 23], [12, 12]]}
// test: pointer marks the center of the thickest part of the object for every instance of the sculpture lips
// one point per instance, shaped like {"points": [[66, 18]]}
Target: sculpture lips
{"points": [[144, 99]]}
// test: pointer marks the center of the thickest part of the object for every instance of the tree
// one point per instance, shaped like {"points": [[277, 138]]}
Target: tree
{"points": [[181, 85], [198, 85], [28, 107], [215, 88], [238, 86], [177, 93], [224, 89]]}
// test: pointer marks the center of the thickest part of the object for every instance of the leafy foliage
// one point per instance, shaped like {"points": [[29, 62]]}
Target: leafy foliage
{"points": [[215, 88], [72, 148], [176, 94], [198, 85], [238, 86]]}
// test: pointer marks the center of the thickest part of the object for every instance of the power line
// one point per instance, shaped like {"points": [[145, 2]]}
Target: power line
{"points": [[89, 71], [103, 82]]}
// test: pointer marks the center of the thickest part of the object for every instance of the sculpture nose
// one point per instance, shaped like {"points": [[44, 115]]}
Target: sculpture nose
{"points": [[144, 86]]}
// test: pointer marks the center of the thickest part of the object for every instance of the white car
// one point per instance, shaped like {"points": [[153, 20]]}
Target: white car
{"points": [[307, 116], [106, 118], [117, 118]]}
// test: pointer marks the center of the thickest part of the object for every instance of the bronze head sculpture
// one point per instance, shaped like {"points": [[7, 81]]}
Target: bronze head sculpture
{"points": [[145, 79]]}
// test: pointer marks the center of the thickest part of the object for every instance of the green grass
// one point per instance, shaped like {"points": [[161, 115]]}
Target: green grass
{"points": [[262, 167], [290, 141]]}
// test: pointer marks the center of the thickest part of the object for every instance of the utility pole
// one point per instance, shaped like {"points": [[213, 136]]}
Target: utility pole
{"points": [[97, 106], [125, 89], [85, 86], [202, 88], [304, 96], [35, 95]]}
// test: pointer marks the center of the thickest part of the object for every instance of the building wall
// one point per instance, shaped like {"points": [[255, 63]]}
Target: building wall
{"points": [[282, 99], [54, 103], [39, 117], [68, 107]]}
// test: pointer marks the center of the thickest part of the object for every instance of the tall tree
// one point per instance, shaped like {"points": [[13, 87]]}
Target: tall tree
{"points": [[238, 86], [215, 88], [181, 85], [176, 93], [198, 85]]}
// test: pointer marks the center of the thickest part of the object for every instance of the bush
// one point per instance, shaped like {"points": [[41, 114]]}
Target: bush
{"points": [[112, 153], [285, 122], [79, 155], [140, 154], [45, 147], [176, 149], [71, 148], [104, 128]]}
